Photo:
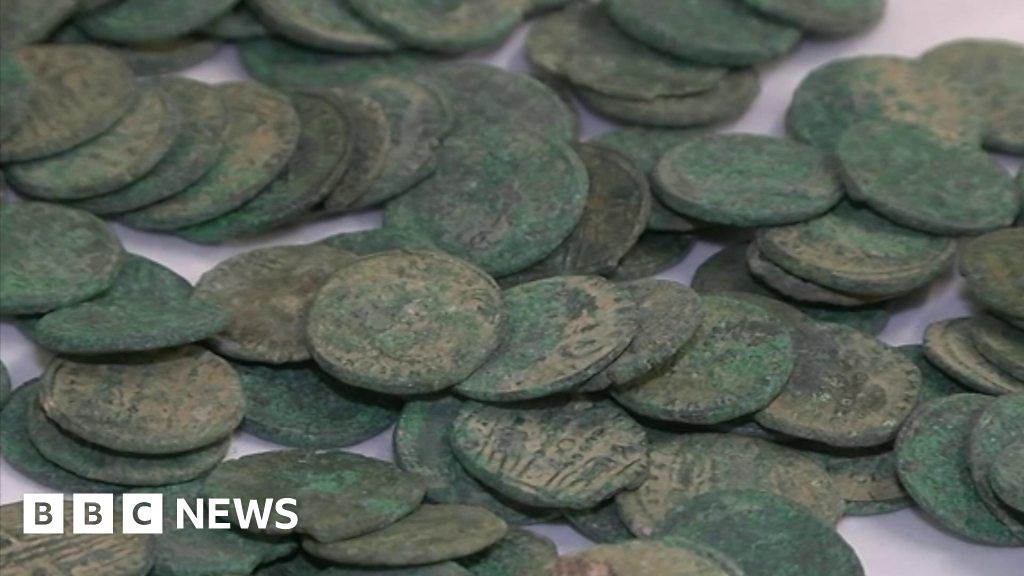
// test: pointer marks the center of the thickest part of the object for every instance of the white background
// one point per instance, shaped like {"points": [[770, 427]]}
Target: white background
{"points": [[904, 543]]}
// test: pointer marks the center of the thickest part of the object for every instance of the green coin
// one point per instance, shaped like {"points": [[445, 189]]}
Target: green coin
{"points": [[52, 257], [28, 22], [868, 483], [677, 557], [830, 19], [321, 24], [992, 267], [616, 213], [116, 158], [1000, 425], [723, 33], [746, 180], [433, 533], [992, 70], [144, 21], [483, 96], [22, 455], [446, 26], [319, 162], [15, 94], [911, 176], [418, 117], [519, 553], [1001, 344], [500, 199], [89, 460], [196, 149], [726, 100], [668, 314], [190, 551], [114, 554], [148, 307], [376, 240], [421, 446], [78, 92], [559, 333], [564, 454], [339, 495], [932, 452], [652, 254], [268, 293], [167, 57], [1007, 476], [934, 383], [155, 403], [261, 135], [601, 524], [949, 346], [738, 360], [300, 406], [686, 467], [853, 250], [796, 288], [885, 88], [765, 535], [847, 389], [370, 147], [405, 322]]}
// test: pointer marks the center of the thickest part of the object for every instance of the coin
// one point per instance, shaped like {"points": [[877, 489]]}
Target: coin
{"points": [[649, 558], [934, 382], [1000, 424], [868, 482], [1008, 477], [653, 253], [26, 22], [455, 27], [992, 267], [321, 24], [948, 345], [796, 288], [519, 553], [370, 147], [1001, 344], [824, 18], [141, 21]]}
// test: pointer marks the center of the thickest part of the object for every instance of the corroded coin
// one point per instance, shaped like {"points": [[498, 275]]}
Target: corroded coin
{"points": [[148, 307], [376, 240], [948, 345], [726, 100], [601, 524], [27, 22], [1008, 476], [15, 94], [746, 180], [196, 149], [853, 250], [616, 213], [911, 176], [500, 199], [405, 322], [433, 533], [51, 256], [142, 21], [370, 145], [300, 406], [668, 314], [265, 326], [339, 495], [738, 360], [567, 454], [934, 382], [158, 403], [559, 332], [322, 24], [795, 287], [992, 70], [1001, 344], [519, 553], [1000, 425], [886, 88], [78, 92], [931, 458], [653, 253], [457, 26], [824, 18], [846, 389], [868, 483], [95, 462], [261, 135], [115, 554], [649, 558], [765, 535], [319, 162], [419, 117], [422, 447], [688, 466], [994, 271], [720, 33]]}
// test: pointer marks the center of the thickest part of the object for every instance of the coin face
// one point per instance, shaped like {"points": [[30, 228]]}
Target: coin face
{"points": [[564, 454], [948, 345]]}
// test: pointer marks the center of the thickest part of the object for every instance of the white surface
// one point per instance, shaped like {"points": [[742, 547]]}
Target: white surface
{"points": [[903, 543]]}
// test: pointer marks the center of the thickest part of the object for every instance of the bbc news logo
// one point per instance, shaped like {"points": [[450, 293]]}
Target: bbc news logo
{"points": [[144, 513]]}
